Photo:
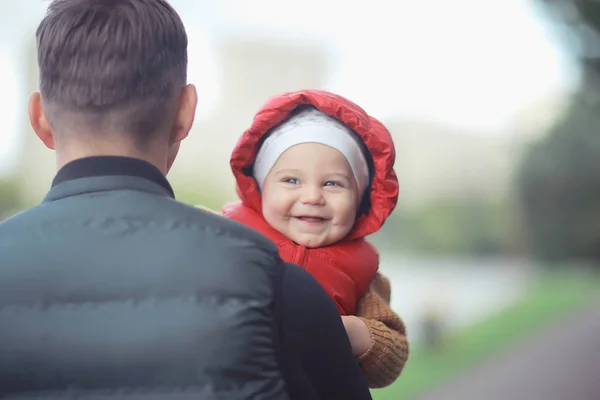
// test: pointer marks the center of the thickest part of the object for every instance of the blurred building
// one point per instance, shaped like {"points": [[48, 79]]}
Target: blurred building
{"points": [[439, 162], [535, 121], [434, 161], [252, 71]]}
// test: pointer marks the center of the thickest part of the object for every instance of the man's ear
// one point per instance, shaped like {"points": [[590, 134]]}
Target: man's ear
{"points": [[39, 122], [184, 116]]}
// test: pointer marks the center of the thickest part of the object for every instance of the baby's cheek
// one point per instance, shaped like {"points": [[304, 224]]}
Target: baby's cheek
{"points": [[347, 228], [346, 217], [269, 202], [273, 208], [349, 212], [274, 212], [269, 214]]}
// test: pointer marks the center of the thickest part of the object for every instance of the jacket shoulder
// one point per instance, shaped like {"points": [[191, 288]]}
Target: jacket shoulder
{"points": [[19, 220], [228, 227]]}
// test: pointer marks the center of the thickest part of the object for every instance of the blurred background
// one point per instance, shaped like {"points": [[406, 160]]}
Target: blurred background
{"points": [[493, 106]]}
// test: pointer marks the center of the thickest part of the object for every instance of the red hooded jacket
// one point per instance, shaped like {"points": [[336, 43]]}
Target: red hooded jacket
{"points": [[346, 268]]}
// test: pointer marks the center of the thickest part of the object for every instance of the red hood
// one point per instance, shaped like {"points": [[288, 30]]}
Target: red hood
{"points": [[384, 189]]}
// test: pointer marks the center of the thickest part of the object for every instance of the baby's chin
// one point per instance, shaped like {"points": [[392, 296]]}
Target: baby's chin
{"points": [[312, 241]]}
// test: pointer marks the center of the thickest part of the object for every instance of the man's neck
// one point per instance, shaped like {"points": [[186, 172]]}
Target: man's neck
{"points": [[66, 155]]}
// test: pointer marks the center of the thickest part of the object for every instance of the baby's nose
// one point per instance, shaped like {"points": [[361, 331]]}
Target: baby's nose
{"points": [[312, 195]]}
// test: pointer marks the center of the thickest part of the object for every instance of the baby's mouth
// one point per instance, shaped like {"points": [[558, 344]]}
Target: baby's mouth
{"points": [[311, 219]]}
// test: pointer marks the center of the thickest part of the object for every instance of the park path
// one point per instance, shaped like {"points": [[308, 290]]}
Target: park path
{"points": [[561, 363]]}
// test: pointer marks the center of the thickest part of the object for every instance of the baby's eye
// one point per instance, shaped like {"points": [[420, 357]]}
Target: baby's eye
{"points": [[292, 181], [333, 183]]}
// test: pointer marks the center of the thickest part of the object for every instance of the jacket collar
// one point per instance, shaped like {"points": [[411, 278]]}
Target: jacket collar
{"points": [[102, 173]]}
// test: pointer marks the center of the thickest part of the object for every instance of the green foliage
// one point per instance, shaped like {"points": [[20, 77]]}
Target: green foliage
{"points": [[10, 198], [201, 195], [554, 296], [559, 187], [454, 227], [559, 179], [579, 23]]}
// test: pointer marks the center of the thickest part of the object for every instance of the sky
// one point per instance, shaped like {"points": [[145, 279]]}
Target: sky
{"points": [[473, 63], [470, 62]]}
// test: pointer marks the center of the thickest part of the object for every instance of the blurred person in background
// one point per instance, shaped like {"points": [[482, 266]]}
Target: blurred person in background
{"points": [[315, 174], [110, 287]]}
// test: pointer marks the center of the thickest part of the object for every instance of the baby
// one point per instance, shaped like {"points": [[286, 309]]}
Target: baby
{"points": [[315, 175]]}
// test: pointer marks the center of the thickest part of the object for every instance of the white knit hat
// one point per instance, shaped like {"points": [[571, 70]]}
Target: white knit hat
{"points": [[312, 126]]}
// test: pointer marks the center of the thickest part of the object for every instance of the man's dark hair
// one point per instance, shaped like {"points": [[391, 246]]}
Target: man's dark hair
{"points": [[113, 65]]}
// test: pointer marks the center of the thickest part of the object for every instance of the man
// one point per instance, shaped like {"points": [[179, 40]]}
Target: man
{"points": [[112, 289]]}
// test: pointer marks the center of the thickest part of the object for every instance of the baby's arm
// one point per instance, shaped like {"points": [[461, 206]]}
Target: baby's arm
{"points": [[384, 360]]}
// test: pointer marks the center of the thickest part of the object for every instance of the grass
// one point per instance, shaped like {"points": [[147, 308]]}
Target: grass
{"points": [[555, 295]]}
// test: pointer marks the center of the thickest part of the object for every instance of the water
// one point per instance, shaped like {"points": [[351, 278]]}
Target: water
{"points": [[461, 292]]}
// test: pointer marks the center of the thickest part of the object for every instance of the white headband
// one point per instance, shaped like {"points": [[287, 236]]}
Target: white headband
{"points": [[312, 126]]}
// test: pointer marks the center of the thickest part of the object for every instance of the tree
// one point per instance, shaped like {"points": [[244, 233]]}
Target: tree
{"points": [[559, 179], [559, 186], [579, 23]]}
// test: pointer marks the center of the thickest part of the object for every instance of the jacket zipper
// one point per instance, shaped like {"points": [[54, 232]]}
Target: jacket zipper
{"points": [[300, 256]]}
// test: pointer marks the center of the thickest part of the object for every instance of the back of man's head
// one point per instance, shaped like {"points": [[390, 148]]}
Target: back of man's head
{"points": [[111, 66]]}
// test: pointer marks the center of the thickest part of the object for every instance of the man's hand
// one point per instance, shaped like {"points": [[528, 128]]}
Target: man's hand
{"points": [[358, 333]]}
